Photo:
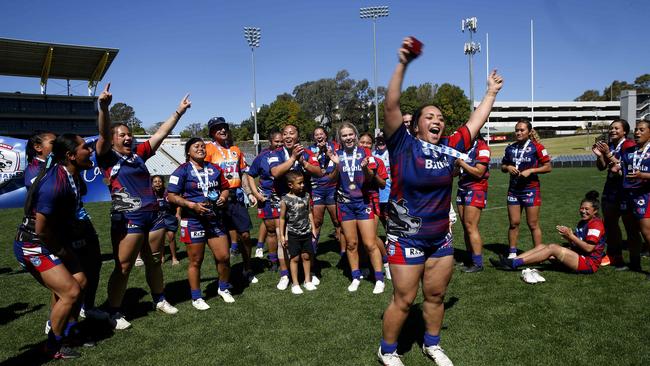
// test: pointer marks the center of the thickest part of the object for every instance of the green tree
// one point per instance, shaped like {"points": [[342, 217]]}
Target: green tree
{"points": [[414, 97], [285, 110], [153, 128], [453, 103], [195, 129], [642, 83], [589, 95], [124, 113]]}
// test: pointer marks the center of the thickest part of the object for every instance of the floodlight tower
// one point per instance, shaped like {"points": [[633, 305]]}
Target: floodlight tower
{"points": [[252, 36], [374, 12], [471, 48]]}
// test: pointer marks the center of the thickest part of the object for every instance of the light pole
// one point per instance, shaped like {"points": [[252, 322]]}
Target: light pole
{"points": [[471, 48], [253, 35], [374, 12]]}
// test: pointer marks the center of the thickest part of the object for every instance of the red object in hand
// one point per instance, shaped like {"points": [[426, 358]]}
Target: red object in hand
{"points": [[416, 47]]}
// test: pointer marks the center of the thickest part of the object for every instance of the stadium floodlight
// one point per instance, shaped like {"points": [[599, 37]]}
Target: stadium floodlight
{"points": [[374, 12], [471, 48], [253, 36]]}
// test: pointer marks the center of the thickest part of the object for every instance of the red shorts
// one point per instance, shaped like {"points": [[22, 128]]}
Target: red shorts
{"points": [[586, 265], [375, 206], [471, 198]]}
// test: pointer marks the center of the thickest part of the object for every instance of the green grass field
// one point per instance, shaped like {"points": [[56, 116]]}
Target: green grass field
{"points": [[493, 318]]}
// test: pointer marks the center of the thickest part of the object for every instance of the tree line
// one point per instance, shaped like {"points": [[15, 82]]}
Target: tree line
{"points": [[613, 90]]}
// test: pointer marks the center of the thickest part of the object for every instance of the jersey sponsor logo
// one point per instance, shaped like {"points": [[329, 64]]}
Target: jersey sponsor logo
{"points": [[641, 202], [36, 261], [368, 210], [593, 232], [272, 159], [485, 153], [413, 253], [197, 234], [400, 222], [512, 199], [439, 164], [544, 152], [131, 226], [173, 179]]}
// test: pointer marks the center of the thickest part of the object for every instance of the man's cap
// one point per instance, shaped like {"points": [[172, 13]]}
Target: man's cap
{"points": [[216, 121]]}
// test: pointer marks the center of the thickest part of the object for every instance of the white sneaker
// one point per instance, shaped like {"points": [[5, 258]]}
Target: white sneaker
{"points": [[97, 314], [309, 286], [537, 276], [296, 290], [283, 284], [200, 304], [437, 354], [315, 280], [139, 262], [354, 286], [259, 253], [48, 326], [226, 296], [528, 277], [250, 277], [379, 287], [119, 322], [389, 359], [166, 307], [512, 255], [82, 313], [387, 272]]}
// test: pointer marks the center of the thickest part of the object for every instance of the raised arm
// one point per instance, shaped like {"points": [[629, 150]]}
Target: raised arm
{"points": [[103, 144], [166, 128], [480, 114], [392, 112]]}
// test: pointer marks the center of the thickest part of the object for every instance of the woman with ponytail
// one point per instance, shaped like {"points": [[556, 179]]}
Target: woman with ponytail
{"points": [[43, 244], [39, 147]]}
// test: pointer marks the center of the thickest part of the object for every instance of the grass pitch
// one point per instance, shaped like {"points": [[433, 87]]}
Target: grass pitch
{"points": [[493, 318]]}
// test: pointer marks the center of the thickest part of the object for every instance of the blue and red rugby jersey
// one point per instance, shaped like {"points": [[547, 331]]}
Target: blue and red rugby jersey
{"points": [[627, 164], [281, 155], [55, 198], [592, 232], [480, 154], [261, 168], [372, 187], [420, 194], [130, 186], [184, 182], [360, 192], [534, 156], [326, 165], [614, 181], [31, 171], [164, 204]]}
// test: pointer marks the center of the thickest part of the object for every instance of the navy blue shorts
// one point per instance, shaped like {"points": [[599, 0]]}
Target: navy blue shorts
{"points": [[355, 211], [199, 230], [171, 223], [324, 196], [236, 217], [414, 251], [138, 222]]}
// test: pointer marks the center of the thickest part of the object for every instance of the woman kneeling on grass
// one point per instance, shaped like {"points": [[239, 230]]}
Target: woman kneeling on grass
{"points": [[201, 190], [586, 245]]}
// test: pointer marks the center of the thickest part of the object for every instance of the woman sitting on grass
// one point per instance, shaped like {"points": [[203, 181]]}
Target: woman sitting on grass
{"points": [[586, 245]]}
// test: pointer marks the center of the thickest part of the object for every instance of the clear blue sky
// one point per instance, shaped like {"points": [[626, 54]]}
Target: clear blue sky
{"points": [[168, 48]]}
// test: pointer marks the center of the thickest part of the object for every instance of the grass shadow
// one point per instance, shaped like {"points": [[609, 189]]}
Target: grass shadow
{"points": [[497, 248], [16, 310], [31, 354]]}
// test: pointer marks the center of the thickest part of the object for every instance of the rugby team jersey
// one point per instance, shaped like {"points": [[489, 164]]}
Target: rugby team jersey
{"points": [[479, 154], [422, 181], [164, 205], [184, 182], [614, 181], [260, 168], [352, 184], [129, 181], [373, 187], [592, 232], [635, 159], [281, 155], [229, 159], [326, 165], [525, 155], [384, 193], [31, 171]]}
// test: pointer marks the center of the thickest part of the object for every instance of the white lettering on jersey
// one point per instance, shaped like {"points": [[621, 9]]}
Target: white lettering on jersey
{"points": [[413, 253], [430, 164], [594, 232]]}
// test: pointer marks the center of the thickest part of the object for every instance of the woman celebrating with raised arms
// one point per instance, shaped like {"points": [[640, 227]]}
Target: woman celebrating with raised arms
{"points": [[419, 243], [134, 211]]}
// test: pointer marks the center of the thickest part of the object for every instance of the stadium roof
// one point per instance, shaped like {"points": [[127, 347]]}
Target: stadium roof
{"points": [[50, 60]]}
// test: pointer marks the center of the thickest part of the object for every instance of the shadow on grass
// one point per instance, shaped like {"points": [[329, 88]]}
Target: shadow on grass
{"points": [[32, 354], [497, 248], [4, 270], [16, 310], [413, 328]]}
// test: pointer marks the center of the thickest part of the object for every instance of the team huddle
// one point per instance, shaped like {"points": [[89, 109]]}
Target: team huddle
{"points": [[402, 179]]}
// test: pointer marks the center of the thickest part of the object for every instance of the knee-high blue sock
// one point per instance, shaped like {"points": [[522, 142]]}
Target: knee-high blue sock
{"points": [[431, 340]]}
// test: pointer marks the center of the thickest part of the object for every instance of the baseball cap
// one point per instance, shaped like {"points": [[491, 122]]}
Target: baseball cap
{"points": [[217, 121]]}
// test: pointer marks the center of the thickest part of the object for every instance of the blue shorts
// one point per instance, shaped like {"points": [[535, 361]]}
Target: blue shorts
{"points": [[415, 251], [199, 230], [269, 209], [324, 196], [355, 211], [138, 222], [471, 198], [236, 216], [637, 204], [171, 222], [525, 197]]}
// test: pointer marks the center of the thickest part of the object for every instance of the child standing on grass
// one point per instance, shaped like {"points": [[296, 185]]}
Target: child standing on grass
{"points": [[296, 229]]}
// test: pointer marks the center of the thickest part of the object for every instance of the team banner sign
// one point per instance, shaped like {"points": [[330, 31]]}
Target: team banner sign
{"points": [[12, 180]]}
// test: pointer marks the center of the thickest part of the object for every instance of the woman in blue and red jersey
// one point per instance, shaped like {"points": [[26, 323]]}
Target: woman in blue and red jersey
{"points": [[170, 213], [356, 168], [43, 244], [524, 160], [323, 189], [379, 182], [419, 244], [134, 211], [613, 190], [586, 245], [634, 166], [39, 147], [200, 189], [268, 204], [471, 199]]}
